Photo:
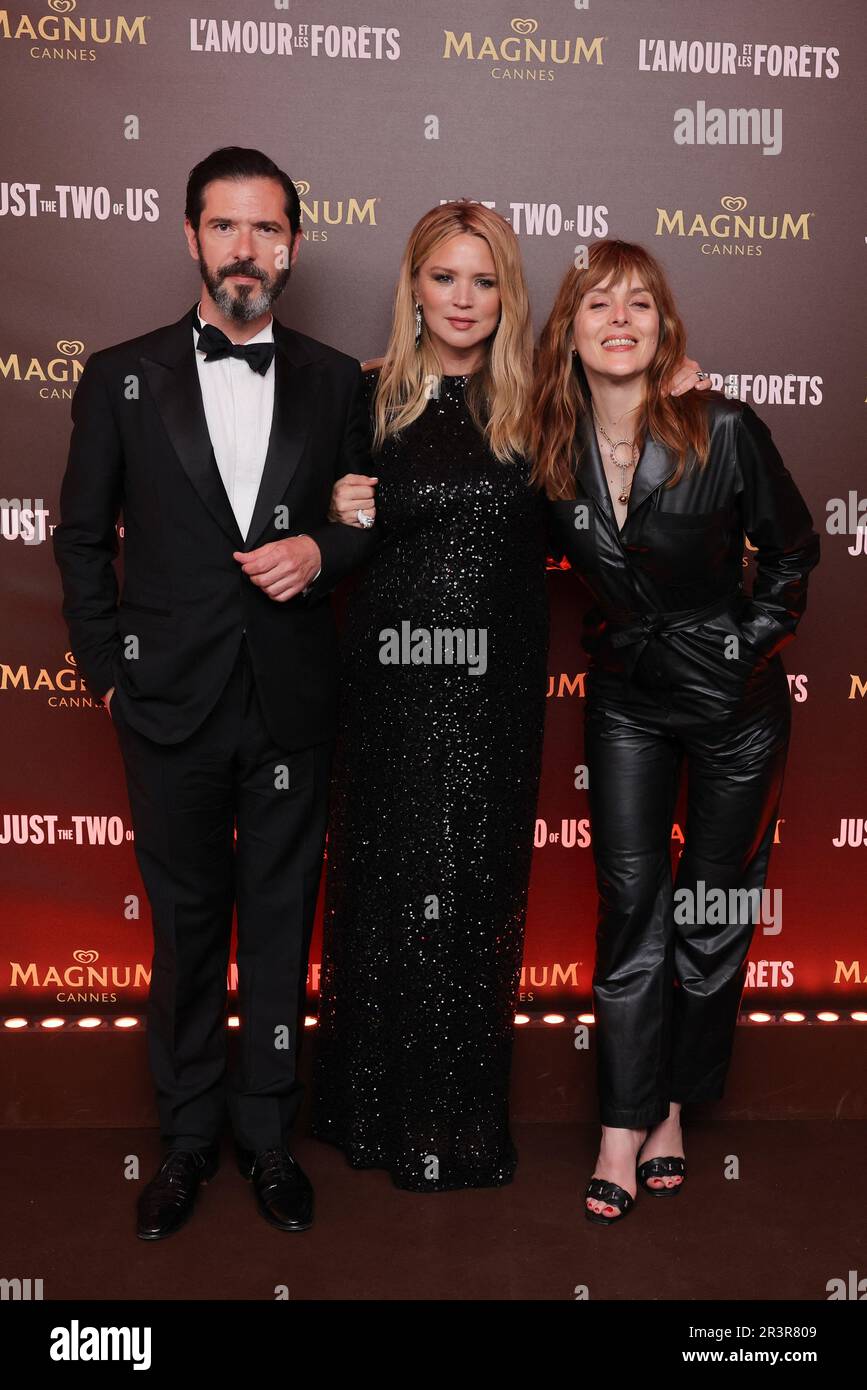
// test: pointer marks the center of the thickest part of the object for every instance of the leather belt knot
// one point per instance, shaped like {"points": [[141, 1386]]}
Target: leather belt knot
{"points": [[633, 637], [647, 626]]}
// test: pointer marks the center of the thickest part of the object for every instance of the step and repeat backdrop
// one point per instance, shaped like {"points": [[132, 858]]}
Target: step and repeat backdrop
{"points": [[723, 138]]}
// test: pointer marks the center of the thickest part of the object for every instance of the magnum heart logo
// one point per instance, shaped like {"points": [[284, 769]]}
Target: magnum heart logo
{"points": [[70, 347], [85, 957]]}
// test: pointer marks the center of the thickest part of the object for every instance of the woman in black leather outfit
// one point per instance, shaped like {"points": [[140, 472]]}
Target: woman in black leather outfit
{"points": [[650, 499]]}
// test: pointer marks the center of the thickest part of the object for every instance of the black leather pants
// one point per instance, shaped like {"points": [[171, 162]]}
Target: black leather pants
{"points": [[668, 980]]}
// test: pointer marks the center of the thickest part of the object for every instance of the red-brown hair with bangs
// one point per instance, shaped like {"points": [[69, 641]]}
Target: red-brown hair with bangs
{"points": [[561, 396]]}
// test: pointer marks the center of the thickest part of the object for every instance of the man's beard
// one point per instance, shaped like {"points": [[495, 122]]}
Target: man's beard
{"points": [[247, 302]]}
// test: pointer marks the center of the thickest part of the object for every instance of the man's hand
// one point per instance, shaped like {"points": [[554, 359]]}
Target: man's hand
{"points": [[352, 493], [685, 379], [281, 568]]}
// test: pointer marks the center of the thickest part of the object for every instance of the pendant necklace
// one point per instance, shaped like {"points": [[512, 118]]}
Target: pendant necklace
{"points": [[623, 498]]}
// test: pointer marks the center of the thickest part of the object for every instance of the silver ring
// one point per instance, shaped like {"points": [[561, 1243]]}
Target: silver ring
{"points": [[703, 376], [363, 519]]}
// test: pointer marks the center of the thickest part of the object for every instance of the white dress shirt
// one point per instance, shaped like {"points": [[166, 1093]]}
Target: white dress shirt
{"points": [[239, 409]]}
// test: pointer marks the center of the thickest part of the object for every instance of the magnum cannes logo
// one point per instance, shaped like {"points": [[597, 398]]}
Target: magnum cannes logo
{"points": [[57, 376], [734, 232], [318, 214], [83, 982], [526, 55], [64, 687], [64, 34]]}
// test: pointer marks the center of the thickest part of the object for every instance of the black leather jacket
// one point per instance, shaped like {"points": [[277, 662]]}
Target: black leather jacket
{"points": [[668, 587]]}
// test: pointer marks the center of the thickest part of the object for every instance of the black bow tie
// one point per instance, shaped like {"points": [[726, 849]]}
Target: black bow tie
{"points": [[214, 343]]}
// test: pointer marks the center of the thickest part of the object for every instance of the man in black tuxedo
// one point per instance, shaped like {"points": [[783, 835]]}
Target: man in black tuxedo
{"points": [[220, 437]]}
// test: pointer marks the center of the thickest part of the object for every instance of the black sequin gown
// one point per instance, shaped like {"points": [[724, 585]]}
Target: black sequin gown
{"points": [[433, 805]]}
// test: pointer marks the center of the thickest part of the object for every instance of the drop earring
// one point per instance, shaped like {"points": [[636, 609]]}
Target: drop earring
{"points": [[417, 324]]}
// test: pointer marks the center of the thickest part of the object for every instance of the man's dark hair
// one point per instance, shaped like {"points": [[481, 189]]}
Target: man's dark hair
{"points": [[233, 162]]}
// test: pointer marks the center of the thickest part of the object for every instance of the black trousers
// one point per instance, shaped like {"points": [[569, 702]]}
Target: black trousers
{"points": [[186, 801], [669, 974]]}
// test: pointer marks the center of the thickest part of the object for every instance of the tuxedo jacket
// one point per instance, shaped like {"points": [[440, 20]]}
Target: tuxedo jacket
{"points": [[668, 587], [167, 641]]}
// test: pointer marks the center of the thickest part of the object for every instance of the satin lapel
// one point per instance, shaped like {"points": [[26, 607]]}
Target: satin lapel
{"points": [[290, 428], [654, 467], [174, 383]]}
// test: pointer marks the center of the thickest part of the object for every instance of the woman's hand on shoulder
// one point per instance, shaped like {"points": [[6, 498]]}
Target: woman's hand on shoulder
{"points": [[351, 494], [687, 378]]}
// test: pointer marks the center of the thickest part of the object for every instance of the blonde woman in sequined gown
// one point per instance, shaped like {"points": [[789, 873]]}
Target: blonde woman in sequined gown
{"points": [[437, 766]]}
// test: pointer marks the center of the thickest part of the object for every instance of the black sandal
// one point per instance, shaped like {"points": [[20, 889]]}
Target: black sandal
{"points": [[670, 1167], [609, 1192]]}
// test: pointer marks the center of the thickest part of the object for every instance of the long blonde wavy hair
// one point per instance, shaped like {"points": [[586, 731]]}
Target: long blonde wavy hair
{"points": [[499, 393], [561, 393]]}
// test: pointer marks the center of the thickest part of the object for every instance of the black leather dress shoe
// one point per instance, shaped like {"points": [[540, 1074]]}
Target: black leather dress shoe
{"points": [[168, 1200], [283, 1191]]}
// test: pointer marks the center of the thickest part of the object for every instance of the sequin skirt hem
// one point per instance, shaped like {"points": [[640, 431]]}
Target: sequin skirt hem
{"points": [[363, 1157]]}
